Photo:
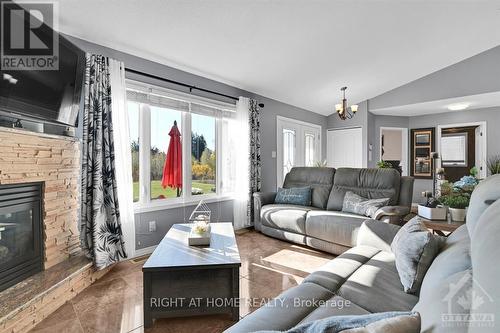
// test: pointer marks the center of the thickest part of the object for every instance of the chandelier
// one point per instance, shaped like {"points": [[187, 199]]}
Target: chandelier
{"points": [[343, 111]]}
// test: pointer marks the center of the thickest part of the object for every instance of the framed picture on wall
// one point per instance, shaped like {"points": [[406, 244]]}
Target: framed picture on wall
{"points": [[422, 144]]}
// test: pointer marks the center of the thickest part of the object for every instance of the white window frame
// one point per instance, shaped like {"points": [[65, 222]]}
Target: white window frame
{"points": [[456, 164], [145, 203]]}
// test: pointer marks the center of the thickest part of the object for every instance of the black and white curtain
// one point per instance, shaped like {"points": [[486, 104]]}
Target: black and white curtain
{"points": [[243, 142], [255, 164], [100, 228]]}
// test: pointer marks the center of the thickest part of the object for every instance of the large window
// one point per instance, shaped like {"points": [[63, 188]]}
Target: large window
{"points": [[153, 112]]}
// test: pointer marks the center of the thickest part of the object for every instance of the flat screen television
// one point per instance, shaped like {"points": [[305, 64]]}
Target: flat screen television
{"points": [[49, 96]]}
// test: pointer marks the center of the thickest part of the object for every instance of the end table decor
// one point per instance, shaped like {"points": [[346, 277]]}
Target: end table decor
{"points": [[200, 225]]}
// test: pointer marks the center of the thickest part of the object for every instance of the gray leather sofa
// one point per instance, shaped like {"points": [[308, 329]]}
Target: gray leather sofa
{"points": [[323, 225], [364, 279]]}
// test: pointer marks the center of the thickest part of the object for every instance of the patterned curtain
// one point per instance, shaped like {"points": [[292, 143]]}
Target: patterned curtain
{"points": [[100, 229], [255, 162]]}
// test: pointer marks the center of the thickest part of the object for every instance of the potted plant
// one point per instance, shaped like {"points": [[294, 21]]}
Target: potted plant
{"points": [[457, 204], [432, 210], [494, 164], [390, 165]]}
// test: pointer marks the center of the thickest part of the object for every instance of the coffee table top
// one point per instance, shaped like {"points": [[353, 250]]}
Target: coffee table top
{"points": [[438, 225], [173, 252]]}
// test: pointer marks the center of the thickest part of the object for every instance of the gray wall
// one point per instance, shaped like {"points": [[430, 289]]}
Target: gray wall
{"points": [[272, 108], [476, 75], [378, 121]]}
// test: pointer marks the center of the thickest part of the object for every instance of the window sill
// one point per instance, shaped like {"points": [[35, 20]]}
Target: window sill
{"points": [[177, 203]]}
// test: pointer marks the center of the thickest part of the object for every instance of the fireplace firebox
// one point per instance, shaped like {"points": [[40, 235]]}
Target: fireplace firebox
{"points": [[21, 242]]}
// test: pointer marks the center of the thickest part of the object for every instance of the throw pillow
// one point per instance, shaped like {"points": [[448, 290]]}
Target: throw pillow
{"points": [[414, 248], [405, 323], [337, 324], [356, 204], [294, 196]]}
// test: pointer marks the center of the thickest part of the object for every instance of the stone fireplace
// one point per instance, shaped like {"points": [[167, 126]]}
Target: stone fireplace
{"points": [[52, 162], [50, 165]]}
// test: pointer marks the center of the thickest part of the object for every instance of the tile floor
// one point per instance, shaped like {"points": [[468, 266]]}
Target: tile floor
{"points": [[114, 303]]}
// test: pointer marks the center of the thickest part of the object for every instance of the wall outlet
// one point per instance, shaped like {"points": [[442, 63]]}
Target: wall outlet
{"points": [[273, 154], [152, 226]]}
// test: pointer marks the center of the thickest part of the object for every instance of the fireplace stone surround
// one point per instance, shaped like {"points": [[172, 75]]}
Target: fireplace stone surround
{"points": [[54, 162], [27, 157]]}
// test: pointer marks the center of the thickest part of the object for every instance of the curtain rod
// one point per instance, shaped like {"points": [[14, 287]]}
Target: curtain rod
{"points": [[191, 87]]}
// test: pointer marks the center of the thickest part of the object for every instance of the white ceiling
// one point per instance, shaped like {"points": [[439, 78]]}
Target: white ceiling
{"points": [[298, 52], [474, 102]]}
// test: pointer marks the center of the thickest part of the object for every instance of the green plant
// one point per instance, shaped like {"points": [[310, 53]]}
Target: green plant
{"points": [[494, 164], [320, 164], [474, 172], [458, 201], [446, 188], [384, 164]]}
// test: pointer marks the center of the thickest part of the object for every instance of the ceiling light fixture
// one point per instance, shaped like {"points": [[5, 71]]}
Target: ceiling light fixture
{"points": [[458, 106], [343, 110]]}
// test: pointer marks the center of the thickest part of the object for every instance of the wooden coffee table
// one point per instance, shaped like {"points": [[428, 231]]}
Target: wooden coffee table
{"points": [[440, 227], [182, 280]]}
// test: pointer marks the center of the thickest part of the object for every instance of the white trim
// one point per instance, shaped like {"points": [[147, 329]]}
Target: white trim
{"points": [[152, 89], [404, 146], [144, 251], [299, 122], [279, 145], [483, 170], [163, 204]]}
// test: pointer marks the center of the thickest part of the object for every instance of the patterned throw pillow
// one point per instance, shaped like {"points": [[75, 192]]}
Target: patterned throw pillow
{"points": [[294, 196], [414, 248], [356, 204]]}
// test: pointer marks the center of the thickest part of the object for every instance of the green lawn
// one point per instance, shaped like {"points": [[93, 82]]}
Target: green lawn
{"points": [[157, 189]]}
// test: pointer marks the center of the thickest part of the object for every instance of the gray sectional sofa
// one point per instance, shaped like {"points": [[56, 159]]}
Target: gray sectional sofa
{"points": [[323, 225], [364, 279]]}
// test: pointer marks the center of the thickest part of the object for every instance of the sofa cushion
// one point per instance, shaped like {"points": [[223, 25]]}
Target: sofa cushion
{"points": [[444, 300], [286, 217], [335, 272], [375, 286], [484, 194], [414, 247], [284, 312], [335, 227], [454, 257], [319, 179], [336, 306], [368, 183], [357, 204]]}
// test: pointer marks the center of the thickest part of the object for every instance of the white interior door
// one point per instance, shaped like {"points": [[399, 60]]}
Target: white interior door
{"points": [[298, 144], [344, 148]]}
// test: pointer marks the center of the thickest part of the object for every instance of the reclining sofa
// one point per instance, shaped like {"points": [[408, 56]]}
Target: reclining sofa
{"points": [[323, 225], [459, 292]]}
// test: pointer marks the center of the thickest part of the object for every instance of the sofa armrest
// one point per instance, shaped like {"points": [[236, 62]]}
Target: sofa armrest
{"points": [[261, 199], [392, 214], [377, 234]]}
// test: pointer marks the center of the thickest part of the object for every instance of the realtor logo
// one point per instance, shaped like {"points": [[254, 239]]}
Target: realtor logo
{"points": [[29, 40], [469, 304]]}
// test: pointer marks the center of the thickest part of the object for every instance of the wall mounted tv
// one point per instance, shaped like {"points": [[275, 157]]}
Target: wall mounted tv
{"points": [[48, 96]]}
